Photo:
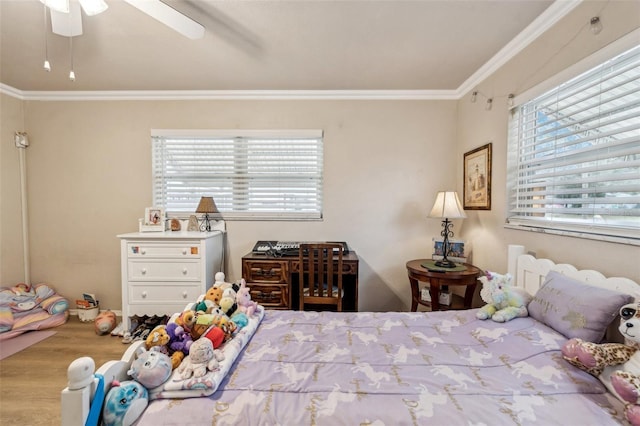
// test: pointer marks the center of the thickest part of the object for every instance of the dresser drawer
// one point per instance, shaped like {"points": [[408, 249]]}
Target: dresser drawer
{"points": [[273, 296], [173, 250], [266, 271], [162, 292], [166, 270]]}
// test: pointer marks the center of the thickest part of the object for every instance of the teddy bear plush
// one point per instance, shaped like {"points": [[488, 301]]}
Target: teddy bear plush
{"points": [[158, 339], [202, 358], [186, 319], [504, 302], [617, 365]]}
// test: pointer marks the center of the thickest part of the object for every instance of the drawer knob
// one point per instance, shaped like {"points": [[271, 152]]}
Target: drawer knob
{"points": [[143, 271], [184, 271], [184, 251], [143, 251], [144, 294], [184, 294]]}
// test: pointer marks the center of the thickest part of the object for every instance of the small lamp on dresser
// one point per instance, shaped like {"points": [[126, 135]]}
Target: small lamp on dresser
{"points": [[206, 206], [447, 206]]}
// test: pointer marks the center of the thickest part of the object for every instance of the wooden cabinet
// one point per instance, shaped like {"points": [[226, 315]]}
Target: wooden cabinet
{"points": [[163, 271], [268, 281], [273, 281]]}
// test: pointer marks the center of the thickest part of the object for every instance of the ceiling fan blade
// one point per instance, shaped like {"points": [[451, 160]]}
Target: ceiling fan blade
{"points": [[170, 17], [67, 24]]}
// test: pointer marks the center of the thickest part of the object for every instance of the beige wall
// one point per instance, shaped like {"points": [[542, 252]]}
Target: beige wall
{"points": [[11, 247], [90, 179], [554, 51], [89, 176]]}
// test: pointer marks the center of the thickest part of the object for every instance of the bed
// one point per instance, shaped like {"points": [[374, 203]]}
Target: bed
{"points": [[393, 368]]}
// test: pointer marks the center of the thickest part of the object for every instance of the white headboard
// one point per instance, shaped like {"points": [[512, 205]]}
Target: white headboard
{"points": [[530, 273]]}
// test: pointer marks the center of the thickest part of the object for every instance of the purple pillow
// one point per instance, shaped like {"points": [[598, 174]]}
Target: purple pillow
{"points": [[576, 309]]}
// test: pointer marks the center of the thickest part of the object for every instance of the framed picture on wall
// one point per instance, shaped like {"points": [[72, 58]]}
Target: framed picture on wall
{"points": [[477, 178]]}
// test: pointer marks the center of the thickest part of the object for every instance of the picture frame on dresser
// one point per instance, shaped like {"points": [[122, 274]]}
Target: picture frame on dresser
{"points": [[477, 178], [154, 220]]}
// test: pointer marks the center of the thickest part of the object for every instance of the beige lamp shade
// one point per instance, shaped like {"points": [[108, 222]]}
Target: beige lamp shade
{"points": [[207, 205], [448, 206]]}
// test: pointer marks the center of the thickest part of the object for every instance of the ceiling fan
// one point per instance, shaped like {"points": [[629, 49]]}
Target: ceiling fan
{"points": [[66, 18]]}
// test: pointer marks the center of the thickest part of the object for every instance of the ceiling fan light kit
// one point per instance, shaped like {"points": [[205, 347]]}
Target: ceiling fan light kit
{"points": [[66, 20], [61, 6], [67, 24], [93, 7], [90, 7]]}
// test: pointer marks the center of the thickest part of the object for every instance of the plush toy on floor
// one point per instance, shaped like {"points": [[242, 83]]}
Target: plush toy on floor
{"points": [[617, 365], [105, 322], [504, 302]]}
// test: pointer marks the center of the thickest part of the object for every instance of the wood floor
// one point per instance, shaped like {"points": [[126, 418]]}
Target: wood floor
{"points": [[31, 380]]}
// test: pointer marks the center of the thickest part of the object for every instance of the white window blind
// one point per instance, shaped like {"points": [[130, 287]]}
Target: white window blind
{"points": [[574, 154], [249, 174]]}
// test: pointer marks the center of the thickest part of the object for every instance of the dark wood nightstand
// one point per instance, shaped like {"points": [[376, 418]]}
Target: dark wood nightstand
{"points": [[436, 279]]}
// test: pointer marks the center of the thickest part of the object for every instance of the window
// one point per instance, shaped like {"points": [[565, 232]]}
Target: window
{"points": [[574, 155], [250, 174]]}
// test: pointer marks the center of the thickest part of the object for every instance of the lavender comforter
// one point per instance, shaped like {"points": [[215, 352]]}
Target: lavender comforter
{"points": [[440, 368]]}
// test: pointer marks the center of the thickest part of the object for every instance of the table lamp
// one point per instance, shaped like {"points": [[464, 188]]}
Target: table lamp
{"points": [[447, 206], [206, 206]]}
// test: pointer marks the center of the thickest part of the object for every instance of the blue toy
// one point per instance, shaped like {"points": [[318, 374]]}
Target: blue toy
{"points": [[125, 402]]}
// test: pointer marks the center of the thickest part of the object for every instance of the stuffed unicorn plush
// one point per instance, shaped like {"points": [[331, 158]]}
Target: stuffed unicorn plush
{"points": [[504, 302], [243, 299]]}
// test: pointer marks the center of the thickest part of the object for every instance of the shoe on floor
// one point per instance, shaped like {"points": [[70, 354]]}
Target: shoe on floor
{"points": [[119, 330]]}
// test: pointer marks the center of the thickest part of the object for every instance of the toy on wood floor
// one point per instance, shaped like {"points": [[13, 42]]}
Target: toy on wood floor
{"points": [[105, 322]]}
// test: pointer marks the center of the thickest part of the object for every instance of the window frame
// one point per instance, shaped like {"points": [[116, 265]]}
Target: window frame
{"points": [[239, 183], [627, 234]]}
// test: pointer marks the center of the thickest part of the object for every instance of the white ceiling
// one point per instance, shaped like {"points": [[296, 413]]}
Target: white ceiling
{"points": [[275, 45]]}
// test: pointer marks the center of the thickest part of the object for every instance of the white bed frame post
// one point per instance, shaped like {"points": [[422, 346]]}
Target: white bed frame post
{"points": [[513, 252], [75, 403]]}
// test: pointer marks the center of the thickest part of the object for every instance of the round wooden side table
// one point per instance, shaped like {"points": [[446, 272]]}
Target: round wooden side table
{"points": [[436, 279]]}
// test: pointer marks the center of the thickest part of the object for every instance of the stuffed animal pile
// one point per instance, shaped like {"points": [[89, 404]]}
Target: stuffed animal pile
{"points": [[617, 365], [188, 344], [504, 302]]}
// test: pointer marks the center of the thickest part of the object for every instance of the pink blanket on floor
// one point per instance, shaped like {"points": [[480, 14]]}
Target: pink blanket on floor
{"points": [[25, 307]]}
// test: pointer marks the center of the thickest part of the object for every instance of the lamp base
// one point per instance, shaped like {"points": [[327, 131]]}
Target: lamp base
{"points": [[445, 263]]}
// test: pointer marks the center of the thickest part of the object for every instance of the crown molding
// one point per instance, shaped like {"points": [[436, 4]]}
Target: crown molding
{"points": [[539, 26], [182, 95], [556, 11]]}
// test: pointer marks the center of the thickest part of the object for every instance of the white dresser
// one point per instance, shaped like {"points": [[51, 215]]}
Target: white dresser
{"points": [[163, 271]]}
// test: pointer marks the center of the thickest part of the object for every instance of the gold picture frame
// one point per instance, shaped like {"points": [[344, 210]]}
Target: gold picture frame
{"points": [[477, 179]]}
